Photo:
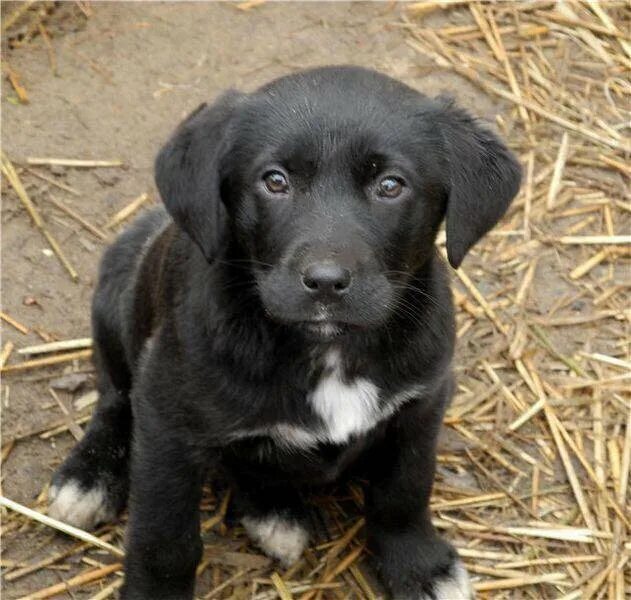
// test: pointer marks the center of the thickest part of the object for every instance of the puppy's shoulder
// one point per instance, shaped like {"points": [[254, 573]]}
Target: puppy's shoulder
{"points": [[131, 245]]}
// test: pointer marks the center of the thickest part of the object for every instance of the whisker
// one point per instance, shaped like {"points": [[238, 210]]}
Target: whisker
{"points": [[234, 262], [415, 289]]}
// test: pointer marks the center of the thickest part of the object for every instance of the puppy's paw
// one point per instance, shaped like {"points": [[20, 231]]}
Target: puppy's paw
{"points": [[453, 586], [279, 537], [415, 567], [82, 507], [91, 485]]}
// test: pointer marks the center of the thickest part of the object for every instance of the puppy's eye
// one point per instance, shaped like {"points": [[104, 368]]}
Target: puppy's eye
{"points": [[390, 187], [276, 182]]}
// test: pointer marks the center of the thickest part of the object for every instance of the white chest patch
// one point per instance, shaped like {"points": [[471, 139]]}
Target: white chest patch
{"points": [[346, 408]]}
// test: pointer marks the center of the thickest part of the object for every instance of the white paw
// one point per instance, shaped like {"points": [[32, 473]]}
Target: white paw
{"points": [[455, 586], [277, 537], [72, 504]]}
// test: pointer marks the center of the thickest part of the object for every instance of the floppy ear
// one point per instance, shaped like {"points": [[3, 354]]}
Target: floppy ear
{"points": [[187, 172], [484, 176]]}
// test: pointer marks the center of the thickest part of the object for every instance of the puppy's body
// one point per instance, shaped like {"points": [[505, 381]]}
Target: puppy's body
{"points": [[293, 326], [275, 398]]}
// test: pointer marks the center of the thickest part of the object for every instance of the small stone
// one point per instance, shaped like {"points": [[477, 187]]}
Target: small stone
{"points": [[107, 177], [70, 383], [30, 301]]}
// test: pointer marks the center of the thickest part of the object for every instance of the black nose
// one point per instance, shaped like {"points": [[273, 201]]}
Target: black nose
{"points": [[326, 278]]}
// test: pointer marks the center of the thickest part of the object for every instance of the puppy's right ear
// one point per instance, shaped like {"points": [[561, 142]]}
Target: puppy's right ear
{"points": [[188, 172]]}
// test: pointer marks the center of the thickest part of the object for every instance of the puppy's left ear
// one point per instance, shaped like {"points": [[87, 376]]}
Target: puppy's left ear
{"points": [[484, 176], [188, 172]]}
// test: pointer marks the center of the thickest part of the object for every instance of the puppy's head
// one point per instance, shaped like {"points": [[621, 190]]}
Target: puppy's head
{"points": [[333, 183]]}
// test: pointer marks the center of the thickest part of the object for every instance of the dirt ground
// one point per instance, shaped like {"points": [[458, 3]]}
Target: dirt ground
{"points": [[125, 75]]}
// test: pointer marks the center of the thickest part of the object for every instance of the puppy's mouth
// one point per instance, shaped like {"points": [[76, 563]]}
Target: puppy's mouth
{"points": [[324, 330], [324, 325]]}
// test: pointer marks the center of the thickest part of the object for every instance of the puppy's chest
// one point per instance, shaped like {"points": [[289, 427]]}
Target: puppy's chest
{"points": [[344, 407], [336, 409]]}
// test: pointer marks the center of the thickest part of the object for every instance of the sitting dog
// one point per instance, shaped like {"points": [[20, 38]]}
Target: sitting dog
{"points": [[287, 317]]}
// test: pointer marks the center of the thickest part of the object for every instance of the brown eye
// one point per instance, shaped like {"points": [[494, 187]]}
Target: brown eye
{"points": [[390, 187], [276, 182]]}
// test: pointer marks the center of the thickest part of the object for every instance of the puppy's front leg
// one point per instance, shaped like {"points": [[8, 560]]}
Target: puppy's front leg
{"points": [[414, 562], [163, 539]]}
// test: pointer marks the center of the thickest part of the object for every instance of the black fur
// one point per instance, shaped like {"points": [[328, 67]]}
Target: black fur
{"points": [[206, 331]]}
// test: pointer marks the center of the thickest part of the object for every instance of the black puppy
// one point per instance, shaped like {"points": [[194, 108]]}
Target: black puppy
{"points": [[288, 317]]}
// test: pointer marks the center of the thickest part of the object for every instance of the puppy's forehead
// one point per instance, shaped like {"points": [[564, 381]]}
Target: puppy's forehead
{"points": [[323, 109], [339, 95], [332, 84]]}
